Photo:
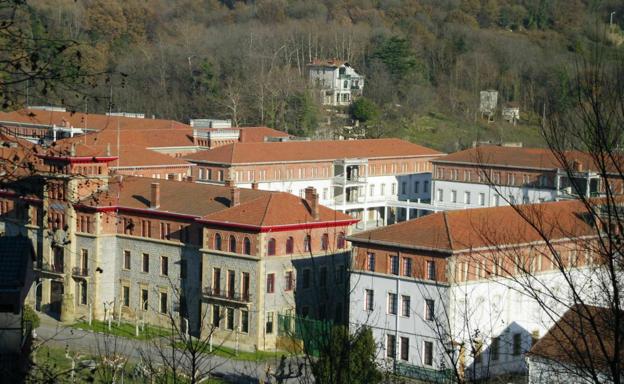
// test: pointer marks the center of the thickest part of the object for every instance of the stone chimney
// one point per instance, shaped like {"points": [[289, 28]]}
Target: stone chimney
{"points": [[155, 196], [241, 135], [577, 166], [254, 185], [234, 197], [229, 183], [311, 198]]}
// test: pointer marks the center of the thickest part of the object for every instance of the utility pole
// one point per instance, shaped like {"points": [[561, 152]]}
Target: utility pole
{"points": [[611, 21]]}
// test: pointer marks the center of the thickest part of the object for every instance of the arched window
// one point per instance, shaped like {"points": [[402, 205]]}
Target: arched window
{"points": [[290, 245], [271, 247], [247, 246], [232, 243], [325, 242], [341, 240], [217, 242], [307, 243]]}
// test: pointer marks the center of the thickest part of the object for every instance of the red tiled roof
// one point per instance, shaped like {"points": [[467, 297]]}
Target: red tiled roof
{"points": [[211, 202], [276, 209], [241, 153], [539, 158], [258, 134], [128, 156], [462, 230], [92, 121], [146, 138], [584, 337], [328, 62]]}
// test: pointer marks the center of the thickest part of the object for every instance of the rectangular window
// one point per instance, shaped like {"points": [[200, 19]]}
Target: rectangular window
{"points": [[125, 293], [453, 196], [306, 278], [440, 194], [404, 188], [482, 199], [426, 187], [467, 197], [383, 190], [288, 281], [229, 319], [429, 309], [163, 302], [269, 323], [245, 285], [392, 303], [145, 262], [164, 265], [216, 316], [144, 299], [126, 260], [340, 274], [431, 270], [371, 190], [231, 283], [517, 344], [370, 262], [83, 293], [390, 346], [407, 266], [405, 305], [270, 283], [495, 348], [323, 277], [416, 185], [216, 281], [244, 327], [394, 265], [428, 353], [404, 348], [368, 300]]}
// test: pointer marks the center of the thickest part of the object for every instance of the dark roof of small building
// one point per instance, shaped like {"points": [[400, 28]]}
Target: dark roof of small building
{"points": [[583, 336], [14, 254]]}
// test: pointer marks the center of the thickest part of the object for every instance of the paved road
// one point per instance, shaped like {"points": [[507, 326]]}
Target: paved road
{"points": [[53, 333]]}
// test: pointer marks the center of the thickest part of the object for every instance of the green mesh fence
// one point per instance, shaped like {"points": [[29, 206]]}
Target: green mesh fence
{"points": [[313, 333], [427, 375]]}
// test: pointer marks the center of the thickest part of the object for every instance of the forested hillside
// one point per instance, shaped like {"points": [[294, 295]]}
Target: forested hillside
{"points": [[425, 61]]}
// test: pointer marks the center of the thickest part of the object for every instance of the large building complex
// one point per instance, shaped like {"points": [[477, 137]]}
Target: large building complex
{"points": [[449, 279], [367, 179], [489, 176], [219, 257]]}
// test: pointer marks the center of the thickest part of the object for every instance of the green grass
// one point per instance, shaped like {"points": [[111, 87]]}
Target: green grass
{"points": [[450, 134], [55, 361], [230, 353], [123, 330]]}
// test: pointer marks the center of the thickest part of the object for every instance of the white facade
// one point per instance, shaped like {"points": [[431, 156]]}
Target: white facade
{"points": [[349, 189], [500, 308], [543, 370], [460, 195], [409, 325], [337, 84]]}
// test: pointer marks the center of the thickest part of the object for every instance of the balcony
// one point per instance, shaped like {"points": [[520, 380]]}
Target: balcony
{"points": [[224, 296], [348, 180], [80, 272], [53, 269], [342, 199]]}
